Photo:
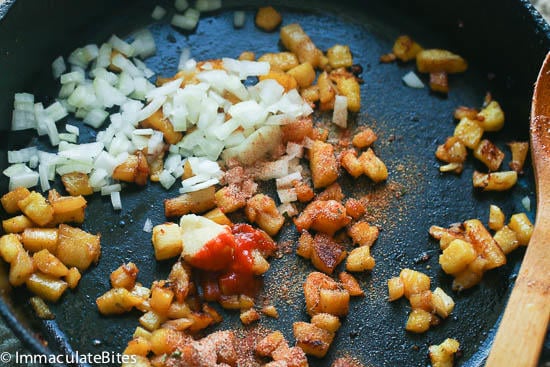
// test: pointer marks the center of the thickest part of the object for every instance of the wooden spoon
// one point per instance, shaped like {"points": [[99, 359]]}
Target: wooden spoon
{"points": [[522, 330]]}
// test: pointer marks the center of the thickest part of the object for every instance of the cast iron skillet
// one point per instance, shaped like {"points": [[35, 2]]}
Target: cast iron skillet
{"points": [[505, 43]]}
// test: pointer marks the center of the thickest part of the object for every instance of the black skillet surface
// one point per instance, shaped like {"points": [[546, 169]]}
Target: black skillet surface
{"points": [[505, 42]]}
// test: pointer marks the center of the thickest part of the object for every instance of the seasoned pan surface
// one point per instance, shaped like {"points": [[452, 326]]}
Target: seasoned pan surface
{"points": [[410, 123]]}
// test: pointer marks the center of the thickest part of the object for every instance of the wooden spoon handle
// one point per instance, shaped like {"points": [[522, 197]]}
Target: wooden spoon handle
{"points": [[523, 327]]}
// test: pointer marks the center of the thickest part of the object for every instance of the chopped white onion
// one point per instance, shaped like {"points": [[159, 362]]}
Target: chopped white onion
{"points": [[115, 200], [144, 43], [340, 112], [181, 5], [245, 68], [122, 46], [28, 179], [58, 67], [526, 202], [148, 226], [21, 155], [72, 77], [166, 179], [285, 182], [104, 56], [208, 5], [81, 57], [108, 190], [71, 138], [412, 80], [95, 117], [72, 129], [287, 195], [184, 22], [56, 111], [184, 57], [158, 13], [126, 65], [288, 208], [239, 17], [16, 170]]}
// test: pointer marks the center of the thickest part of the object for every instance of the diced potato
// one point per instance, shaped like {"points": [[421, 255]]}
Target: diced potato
{"points": [[452, 151], [442, 355], [304, 192], [435, 60], [259, 264], [484, 244], [46, 287], [324, 295], [304, 74], [267, 18], [491, 118], [364, 138], [247, 56], [469, 132], [350, 284], [326, 321], [17, 224], [161, 298], [466, 279], [134, 169], [271, 342], [297, 130], [167, 241], [373, 166], [348, 160], [249, 316], [77, 183], [489, 154], [363, 234], [49, 264], [192, 202], [396, 288], [156, 166], [73, 277], [261, 209], [355, 208], [323, 216], [452, 167], [339, 56], [359, 259], [305, 245], [496, 218], [296, 40], [287, 81], [36, 239], [519, 154], [323, 164], [150, 320], [67, 204], [439, 82], [178, 310], [312, 339], [422, 300], [138, 347], [124, 276], [157, 121], [523, 227], [218, 216], [165, 341], [10, 199], [506, 239], [419, 321], [280, 61], [230, 198], [35, 207], [327, 92], [495, 181], [442, 303], [387, 58], [457, 256], [77, 248], [200, 321], [310, 94], [332, 192], [10, 246], [405, 49], [348, 86], [21, 269], [414, 282], [326, 254], [117, 301], [462, 111]]}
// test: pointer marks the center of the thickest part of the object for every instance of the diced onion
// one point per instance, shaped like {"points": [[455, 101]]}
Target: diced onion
{"points": [[239, 17], [28, 179], [208, 5], [526, 202], [122, 46], [288, 208], [412, 80], [148, 226], [287, 195], [72, 129], [184, 22], [21, 155], [58, 67], [144, 43], [158, 13], [340, 113], [108, 190], [166, 179], [72, 77], [71, 138], [115, 200], [16, 170], [286, 181], [181, 5], [184, 57]]}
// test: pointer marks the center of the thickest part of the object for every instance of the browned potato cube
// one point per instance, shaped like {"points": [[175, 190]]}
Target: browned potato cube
{"points": [[326, 254], [157, 121], [332, 192], [452, 167], [491, 118], [17, 224], [484, 244], [247, 56], [126, 171], [76, 183], [439, 82], [270, 311], [350, 284], [325, 295], [348, 160], [519, 154], [296, 40], [77, 248], [161, 298], [36, 239], [10, 246], [280, 61], [10, 199], [422, 300], [452, 151], [117, 301], [218, 216], [267, 18], [46, 287], [414, 282], [287, 81], [312, 339], [457, 256], [261, 209], [469, 132], [419, 321], [35, 207], [489, 154], [22, 266], [73, 277], [339, 56], [364, 138], [49, 264], [230, 198], [355, 208], [304, 192], [124, 276], [67, 204], [506, 239], [442, 355], [434, 60], [495, 181], [165, 341], [496, 218], [327, 92], [443, 303], [305, 245], [192, 202], [167, 241], [273, 341], [462, 111], [359, 259], [363, 234], [138, 347], [348, 86], [304, 74], [396, 288], [249, 316], [310, 94], [323, 216], [373, 166], [298, 130], [405, 49], [466, 279], [523, 227], [326, 321], [150, 320], [323, 164]]}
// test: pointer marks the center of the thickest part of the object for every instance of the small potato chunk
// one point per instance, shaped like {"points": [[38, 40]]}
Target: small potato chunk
{"points": [[73, 277], [350, 284], [496, 218], [281, 61], [305, 245], [439, 82], [287, 81], [373, 167], [35, 207], [298, 130], [326, 321], [422, 300], [419, 321], [304, 74], [46, 287], [327, 92], [452, 151], [296, 40], [230, 198], [161, 298], [49, 264], [117, 301], [249, 316], [10, 246], [405, 49], [17, 224], [442, 355], [484, 244], [158, 122], [76, 183], [323, 164], [324, 295], [312, 339], [66, 204], [218, 216], [348, 160], [414, 282], [192, 202], [332, 192], [22, 266], [310, 94], [506, 239], [36, 239], [348, 86], [355, 208], [267, 18], [167, 241], [469, 132], [364, 138], [273, 341], [495, 181], [359, 259], [10, 199], [323, 216], [77, 248], [463, 111], [523, 227], [247, 56], [491, 118], [326, 254], [304, 192], [489, 154], [457, 256], [339, 56], [443, 303], [363, 234], [124, 276], [519, 154], [261, 209], [436, 60], [396, 288]]}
